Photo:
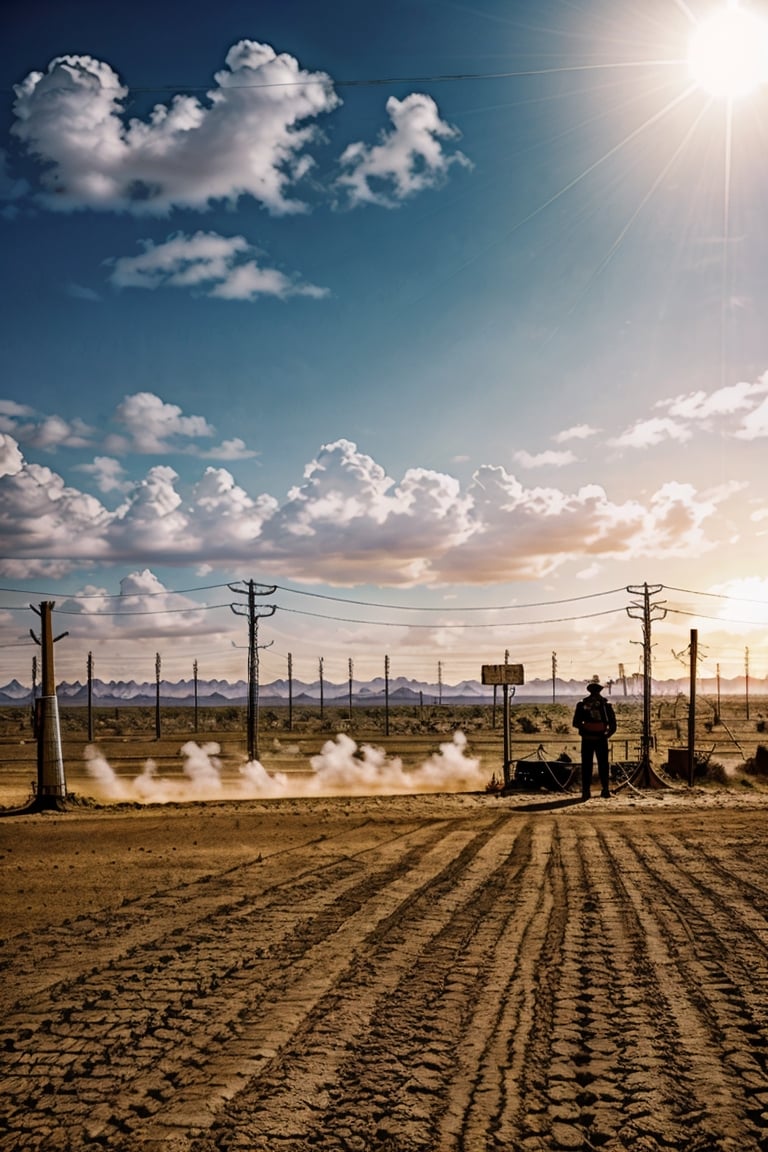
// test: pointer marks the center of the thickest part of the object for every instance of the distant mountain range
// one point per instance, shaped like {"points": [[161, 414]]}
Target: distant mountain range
{"points": [[213, 693]]}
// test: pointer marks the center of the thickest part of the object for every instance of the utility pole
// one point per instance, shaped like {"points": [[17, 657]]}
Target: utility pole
{"points": [[623, 678], [692, 706], [158, 727], [554, 674], [34, 695], [194, 678], [439, 681], [254, 613], [350, 689], [322, 688], [386, 695], [290, 692], [746, 683], [90, 697], [51, 784], [717, 715], [647, 612]]}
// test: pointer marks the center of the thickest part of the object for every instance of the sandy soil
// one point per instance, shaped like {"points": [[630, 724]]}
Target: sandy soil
{"points": [[445, 973]]}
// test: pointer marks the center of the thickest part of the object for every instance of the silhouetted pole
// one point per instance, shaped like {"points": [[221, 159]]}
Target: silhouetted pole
{"points": [[439, 682], [717, 717], [350, 689], [194, 678], [386, 695], [644, 776], [252, 590], [34, 695], [692, 706], [554, 674], [746, 683], [51, 784], [322, 688], [290, 692], [158, 729], [90, 697]]}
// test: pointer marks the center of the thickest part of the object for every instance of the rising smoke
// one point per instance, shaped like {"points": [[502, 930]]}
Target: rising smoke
{"points": [[341, 769]]}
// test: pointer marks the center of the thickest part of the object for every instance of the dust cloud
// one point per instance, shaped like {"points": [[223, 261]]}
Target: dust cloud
{"points": [[340, 769]]}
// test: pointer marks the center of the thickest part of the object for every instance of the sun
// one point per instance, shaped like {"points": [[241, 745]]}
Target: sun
{"points": [[728, 54]]}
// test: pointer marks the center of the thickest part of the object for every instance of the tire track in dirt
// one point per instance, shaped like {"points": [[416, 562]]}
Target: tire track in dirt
{"points": [[502, 981], [705, 975], [410, 1008], [41, 960], [288, 1090], [185, 989]]}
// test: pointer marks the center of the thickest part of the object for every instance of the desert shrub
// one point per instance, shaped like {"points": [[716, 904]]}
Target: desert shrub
{"points": [[527, 725], [715, 773], [758, 764]]}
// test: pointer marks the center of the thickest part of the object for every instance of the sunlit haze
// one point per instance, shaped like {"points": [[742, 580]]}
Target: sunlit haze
{"points": [[729, 52]]}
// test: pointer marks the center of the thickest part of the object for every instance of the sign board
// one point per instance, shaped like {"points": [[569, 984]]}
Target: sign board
{"points": [[503, 674]]}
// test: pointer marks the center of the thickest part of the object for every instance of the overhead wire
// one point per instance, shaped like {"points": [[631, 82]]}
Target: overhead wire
{"points": [[380, 81]]}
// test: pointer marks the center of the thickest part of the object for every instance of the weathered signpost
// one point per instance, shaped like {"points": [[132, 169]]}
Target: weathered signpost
{"points": [[508, 675]]}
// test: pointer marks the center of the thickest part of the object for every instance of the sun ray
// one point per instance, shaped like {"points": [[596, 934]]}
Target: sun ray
{"points": [[603, 264]]}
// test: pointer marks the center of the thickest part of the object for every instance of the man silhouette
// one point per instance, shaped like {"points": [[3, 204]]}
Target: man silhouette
{"points": [[596, 721]]}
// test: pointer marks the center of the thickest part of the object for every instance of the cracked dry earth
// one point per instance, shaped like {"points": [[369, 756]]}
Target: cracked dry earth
{"points": [[441, 974]]}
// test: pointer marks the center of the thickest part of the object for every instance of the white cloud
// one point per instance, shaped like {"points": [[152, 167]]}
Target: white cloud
{"points": [[408, 158], [347, 522], [754, 425], [144, 609], [45, 432], [154, 425], [576, 432], [108, 473], [248, 137], [546, 459], [11, 459], [221, 266], [648, 433], [234, 449], [724, 401]]}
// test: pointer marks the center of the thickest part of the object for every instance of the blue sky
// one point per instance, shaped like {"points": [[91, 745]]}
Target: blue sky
{"points": [[450, 314]]}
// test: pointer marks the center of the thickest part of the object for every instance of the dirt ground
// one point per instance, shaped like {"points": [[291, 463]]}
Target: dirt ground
{"points": [[441, 973]]}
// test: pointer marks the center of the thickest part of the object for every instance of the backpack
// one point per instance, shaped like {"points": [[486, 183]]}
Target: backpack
{"points": [[594, 720]]}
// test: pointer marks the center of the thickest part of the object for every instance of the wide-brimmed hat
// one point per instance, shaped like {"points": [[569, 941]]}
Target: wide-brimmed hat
{"points": [[595, 685]]}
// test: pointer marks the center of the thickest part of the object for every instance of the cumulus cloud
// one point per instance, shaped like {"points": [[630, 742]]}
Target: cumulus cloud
{"points": [[143, 609], [108, 473], [11, 459], [154, 426], [248, 137], [220, 266], [347, 522], [548, 459], [45, 432], [149, 425], [410, 157]]}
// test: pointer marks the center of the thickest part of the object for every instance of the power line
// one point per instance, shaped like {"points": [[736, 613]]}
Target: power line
{"points": [[112, 595], [401, 624], [448, 608], [380, 81]]}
